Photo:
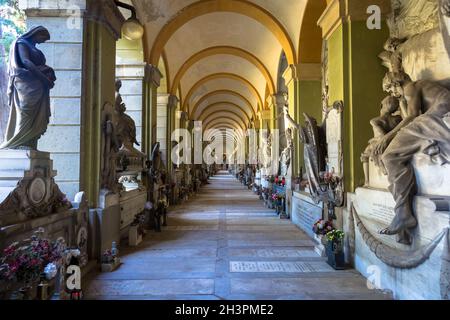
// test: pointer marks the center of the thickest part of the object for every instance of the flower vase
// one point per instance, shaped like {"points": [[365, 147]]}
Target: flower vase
{"points": [[335, 255]]}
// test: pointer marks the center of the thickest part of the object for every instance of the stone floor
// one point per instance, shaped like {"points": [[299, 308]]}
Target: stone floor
{"points": [[224, 244]]}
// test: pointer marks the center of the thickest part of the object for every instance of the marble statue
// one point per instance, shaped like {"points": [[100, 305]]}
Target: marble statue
{"points": [[312, 136], [267, 149], [126, 127], [391, 56], [30, 81], [382, 125], [130, 160], [111, 147], [425, 128], [289, 125]]}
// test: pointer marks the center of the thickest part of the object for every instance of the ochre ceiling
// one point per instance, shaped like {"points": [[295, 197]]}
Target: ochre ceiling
{"points": [[223, 55]]}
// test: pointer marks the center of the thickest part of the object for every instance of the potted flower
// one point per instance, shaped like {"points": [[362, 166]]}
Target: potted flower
{"points": [[321, 228], [22, 265], [335, 250]]}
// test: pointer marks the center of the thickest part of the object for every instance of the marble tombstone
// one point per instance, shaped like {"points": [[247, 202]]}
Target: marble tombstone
{"points": [[398, 223]]}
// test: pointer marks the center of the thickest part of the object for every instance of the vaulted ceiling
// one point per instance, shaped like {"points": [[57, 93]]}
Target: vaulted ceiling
{"points": [[222, 56]]}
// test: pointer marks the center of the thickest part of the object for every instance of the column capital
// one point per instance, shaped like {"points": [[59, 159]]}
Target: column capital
{"points": [[341, 11], [309, 71], [173, 101], [302, 71], [106, 13], [153, 75], [280, 99]]}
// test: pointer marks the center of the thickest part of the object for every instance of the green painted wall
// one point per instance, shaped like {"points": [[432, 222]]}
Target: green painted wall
{"points": [[355, 76], [310, 102], [336, 65], [366, 75]]}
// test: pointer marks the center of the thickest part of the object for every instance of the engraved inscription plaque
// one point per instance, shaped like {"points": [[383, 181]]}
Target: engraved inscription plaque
{"points": [[279, 266], [305, 213], [334, 138]]}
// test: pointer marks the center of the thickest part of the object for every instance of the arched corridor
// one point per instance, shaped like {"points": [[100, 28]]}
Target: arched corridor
{"points": [[224, 244]]}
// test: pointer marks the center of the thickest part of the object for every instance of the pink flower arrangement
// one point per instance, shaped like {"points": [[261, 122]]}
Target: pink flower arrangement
{"points": [[26, 262], [322, 227]]}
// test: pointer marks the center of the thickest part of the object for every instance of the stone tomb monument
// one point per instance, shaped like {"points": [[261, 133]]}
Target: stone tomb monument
{"points": [[398, 223], [29, 197], [122, 195]]}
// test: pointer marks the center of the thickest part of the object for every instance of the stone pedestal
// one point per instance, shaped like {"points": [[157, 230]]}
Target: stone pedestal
{"points": [[16, 165], [105, 222], [419, 271], [30, 199], [305, 212], [27, 186], [132, 203], [431, 178]]}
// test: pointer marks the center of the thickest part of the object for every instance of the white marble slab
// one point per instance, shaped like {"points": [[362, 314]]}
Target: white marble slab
{"points": [[192, 228], [273, 253], [279, 266]]}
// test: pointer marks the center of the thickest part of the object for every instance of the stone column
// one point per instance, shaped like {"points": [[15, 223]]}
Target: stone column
{"points": [[161, 124], [171, 108], [152, 81], [355, 74], [64, 54], [309, 99]]}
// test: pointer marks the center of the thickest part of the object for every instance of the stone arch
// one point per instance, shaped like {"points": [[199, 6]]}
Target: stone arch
{"points": [[224, 50], [310, 43], [245, 8], [218, 107], [247, 83], [228, 92]]}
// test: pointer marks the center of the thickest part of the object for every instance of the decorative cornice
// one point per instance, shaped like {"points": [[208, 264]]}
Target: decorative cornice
{"points": [[52, 8], [106, 13], [340, 11], [309, 71], [153, 75]]}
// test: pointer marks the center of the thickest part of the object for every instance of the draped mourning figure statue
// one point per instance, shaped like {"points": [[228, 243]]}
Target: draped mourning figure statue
{"points": [[313, 138], [126, 127], [425, 128], [30, 81], [129, 157]]}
